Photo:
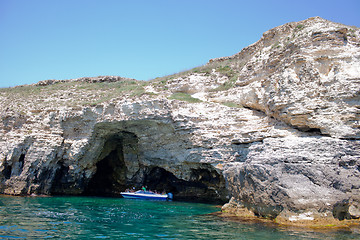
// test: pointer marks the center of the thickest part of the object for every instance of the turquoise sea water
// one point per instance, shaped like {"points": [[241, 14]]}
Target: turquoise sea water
{"points": [[118, 218]]}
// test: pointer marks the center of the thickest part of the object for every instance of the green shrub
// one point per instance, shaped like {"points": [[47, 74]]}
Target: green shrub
{"points": [[275, 45], [299, 27], [226, 85], [231, 104], [223, 69]]}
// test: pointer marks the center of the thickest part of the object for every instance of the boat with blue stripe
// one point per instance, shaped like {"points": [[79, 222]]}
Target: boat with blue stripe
{"points": [[147, 195]]}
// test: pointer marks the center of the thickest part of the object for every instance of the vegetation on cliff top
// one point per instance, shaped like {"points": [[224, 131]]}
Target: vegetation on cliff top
{"points": [[73, 93], [70, 93]]}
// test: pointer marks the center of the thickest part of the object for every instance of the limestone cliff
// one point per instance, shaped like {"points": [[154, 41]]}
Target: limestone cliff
{"points": [[274, 127]]}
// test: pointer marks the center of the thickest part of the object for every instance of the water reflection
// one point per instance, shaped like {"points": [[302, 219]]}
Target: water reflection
{"points": [[86, 217]]}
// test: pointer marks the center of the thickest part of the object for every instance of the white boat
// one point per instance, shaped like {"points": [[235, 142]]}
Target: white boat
{"points": [[147, 195]]}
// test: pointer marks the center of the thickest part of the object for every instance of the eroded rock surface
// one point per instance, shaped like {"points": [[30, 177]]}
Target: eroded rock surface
{"points": [[274, 127]]}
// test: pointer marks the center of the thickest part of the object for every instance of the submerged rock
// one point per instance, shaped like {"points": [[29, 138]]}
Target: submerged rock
{"points": [[274, 127]]}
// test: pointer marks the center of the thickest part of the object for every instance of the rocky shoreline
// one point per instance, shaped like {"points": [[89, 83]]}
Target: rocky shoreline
{"points": [[305, 220], [318, 225]]}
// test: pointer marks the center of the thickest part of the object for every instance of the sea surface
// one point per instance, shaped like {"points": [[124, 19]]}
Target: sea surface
{"points": [[118, 218]]}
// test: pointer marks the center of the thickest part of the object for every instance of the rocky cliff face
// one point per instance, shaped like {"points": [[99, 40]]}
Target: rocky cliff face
{"points": [[274, 127]]}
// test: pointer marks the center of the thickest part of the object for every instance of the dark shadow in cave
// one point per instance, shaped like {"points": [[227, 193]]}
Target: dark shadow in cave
{"points": [[110, 176], [60, 183], [7, 171], [204, 185], [21, 162]]}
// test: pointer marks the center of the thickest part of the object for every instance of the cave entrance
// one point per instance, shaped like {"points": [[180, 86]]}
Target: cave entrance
{"points": [[121, 164], [204, 184], [110, 176]]}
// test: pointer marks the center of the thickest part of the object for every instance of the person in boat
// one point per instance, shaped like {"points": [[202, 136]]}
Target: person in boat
{"points": [[143, 188]]}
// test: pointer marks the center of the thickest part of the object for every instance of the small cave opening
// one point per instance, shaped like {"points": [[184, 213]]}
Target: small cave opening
{"points": [[21, 162], [7, 171], [313, 131], [60, 183], [341, 211], [13, 169]]}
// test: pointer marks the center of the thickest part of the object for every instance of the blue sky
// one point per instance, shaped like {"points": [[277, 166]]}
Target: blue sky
{"points": [[141, 39]]}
